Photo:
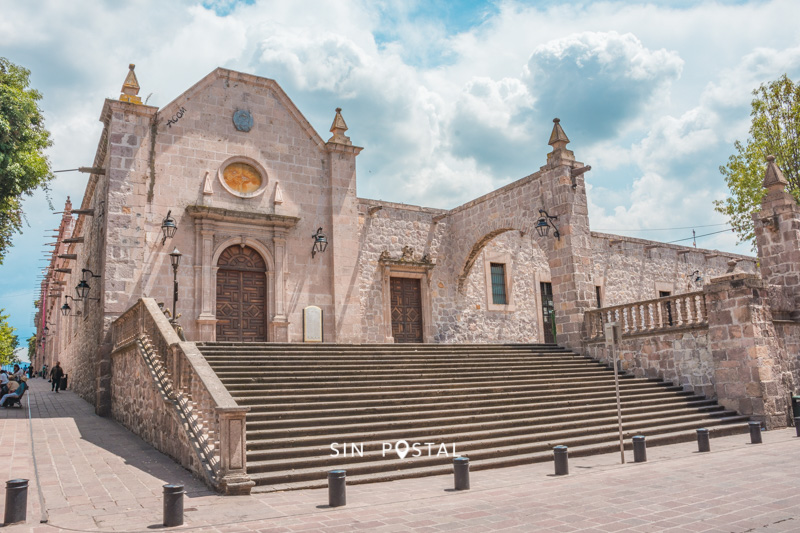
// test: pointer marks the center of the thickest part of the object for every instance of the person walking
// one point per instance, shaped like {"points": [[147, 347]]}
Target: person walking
{"points": [[55, 375]]}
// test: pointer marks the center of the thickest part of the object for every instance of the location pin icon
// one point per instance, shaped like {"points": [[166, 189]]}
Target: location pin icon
{"points": [[401, 448]]}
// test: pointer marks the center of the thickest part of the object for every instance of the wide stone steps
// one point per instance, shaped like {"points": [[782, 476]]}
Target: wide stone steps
{"points": [[332, 416], [356, 387], [283, 444], [311, 408], [303, 428], [411, 468], [502, 390], [500, 404]]}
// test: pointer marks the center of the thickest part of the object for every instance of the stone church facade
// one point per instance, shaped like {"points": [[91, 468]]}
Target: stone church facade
{"points": [[249, 183]]}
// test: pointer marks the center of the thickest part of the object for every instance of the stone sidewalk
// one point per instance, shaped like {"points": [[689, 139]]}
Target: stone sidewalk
{"points": [[96, 476]]}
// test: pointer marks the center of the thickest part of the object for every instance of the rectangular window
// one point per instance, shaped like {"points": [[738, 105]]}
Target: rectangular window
{"points": [[499, 284], [599, 299]]}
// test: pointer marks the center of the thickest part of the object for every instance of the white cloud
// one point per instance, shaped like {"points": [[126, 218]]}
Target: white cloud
{"points": [[651, 95]]}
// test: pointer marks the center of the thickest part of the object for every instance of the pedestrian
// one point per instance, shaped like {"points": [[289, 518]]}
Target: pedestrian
{"points": [[7, 399], [55, 375]]}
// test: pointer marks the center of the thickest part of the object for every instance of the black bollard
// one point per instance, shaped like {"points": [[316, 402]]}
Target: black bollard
{"points": [[639, 449], [173, 505], [755, 432], [16, 501], [702, 440], [561, 456], [461, 472], [337, 488], [797, 425]]}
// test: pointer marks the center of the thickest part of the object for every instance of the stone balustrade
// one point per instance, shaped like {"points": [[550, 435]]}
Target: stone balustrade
{"points": [[215, 423], [670, 313]]}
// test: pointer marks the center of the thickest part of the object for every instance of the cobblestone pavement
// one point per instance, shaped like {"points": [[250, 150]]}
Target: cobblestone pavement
{"points": [[96, 476]]}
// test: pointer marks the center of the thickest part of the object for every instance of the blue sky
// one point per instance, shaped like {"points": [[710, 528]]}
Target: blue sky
{"points": [[449, 99]]}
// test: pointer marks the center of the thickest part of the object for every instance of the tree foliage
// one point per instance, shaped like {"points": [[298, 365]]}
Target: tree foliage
{"points": [[8, 340], [32, 345], [23, 139], [774, 130]]}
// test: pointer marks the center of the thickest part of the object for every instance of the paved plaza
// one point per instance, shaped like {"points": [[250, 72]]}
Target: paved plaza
{"points": [[94, 475]]}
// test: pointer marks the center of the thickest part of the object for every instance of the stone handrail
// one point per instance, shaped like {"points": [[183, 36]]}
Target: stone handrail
{"points": [[651, 316], [217, 422]]}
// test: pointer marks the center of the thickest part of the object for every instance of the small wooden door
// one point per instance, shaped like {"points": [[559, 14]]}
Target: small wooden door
{"points": [[241, 296], [406, 310], [548, 312]]}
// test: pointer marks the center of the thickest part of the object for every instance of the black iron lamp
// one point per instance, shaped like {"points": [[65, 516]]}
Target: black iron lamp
{"points": [[696, 276], [82, 289], [544, 223], [66, 309], [168, 227], [175, 259], [320, 242]]}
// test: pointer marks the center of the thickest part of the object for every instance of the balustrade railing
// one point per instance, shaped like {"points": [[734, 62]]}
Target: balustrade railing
{"points": [[651, 316], [215, 422]]}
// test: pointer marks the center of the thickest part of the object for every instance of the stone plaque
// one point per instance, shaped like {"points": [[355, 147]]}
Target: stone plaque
{"points": [[243, 120], [312, 324]]}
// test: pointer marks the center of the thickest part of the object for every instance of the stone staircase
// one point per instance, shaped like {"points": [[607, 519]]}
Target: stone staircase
{"points": [[501, 405]]}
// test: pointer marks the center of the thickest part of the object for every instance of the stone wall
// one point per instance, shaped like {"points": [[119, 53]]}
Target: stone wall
{"points": [[682, 357], [788, 334], [632, 270], [83, 333], [139, 406], [457, 316]]}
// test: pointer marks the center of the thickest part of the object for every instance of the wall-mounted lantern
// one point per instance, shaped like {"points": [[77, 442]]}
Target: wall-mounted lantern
{"points": [[544, 223], [320, 242], [168, 227], [66, 309], [82, 288]]}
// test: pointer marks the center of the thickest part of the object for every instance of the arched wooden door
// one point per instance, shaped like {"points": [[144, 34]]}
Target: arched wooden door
{"points": [[241, 296]]}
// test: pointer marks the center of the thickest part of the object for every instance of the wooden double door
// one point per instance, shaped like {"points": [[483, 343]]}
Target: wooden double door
{"points": [[406, 306], [241, 296]]}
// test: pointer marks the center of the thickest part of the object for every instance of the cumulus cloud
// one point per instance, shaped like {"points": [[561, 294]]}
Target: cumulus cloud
{"points": [[651, 94], [598, 80]]}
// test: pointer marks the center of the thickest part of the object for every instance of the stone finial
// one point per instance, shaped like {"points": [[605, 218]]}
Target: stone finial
{"points": [[68, 205], [338, 128], [732, 264], [559, 140], [130, 88], [773, 177]]}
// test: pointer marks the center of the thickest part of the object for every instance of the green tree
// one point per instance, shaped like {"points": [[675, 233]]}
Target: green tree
{"points": [[32, 343], [23, 139], [774, 130], [8, 340]]}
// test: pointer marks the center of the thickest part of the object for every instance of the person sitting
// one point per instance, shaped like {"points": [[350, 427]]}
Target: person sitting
{"points": [[18, 372], [3, 382], [13, 397]]}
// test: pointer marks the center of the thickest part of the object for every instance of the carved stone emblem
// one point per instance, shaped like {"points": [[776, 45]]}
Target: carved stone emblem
{"points": [[408, 254], [243, 120]]}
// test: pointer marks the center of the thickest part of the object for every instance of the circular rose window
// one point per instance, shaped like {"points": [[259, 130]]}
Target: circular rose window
{"points": [[242, 179]]}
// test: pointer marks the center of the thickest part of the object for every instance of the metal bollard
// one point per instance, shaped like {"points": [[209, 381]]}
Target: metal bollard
{"points": [[337, 488], [16, 501], [797, 425], [755, 432], [561, 456], [461, 473], [703, 445], [639, 449], [173, 505]]}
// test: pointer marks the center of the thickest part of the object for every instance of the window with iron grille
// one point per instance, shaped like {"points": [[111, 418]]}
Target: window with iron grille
{"points": [[499, 284]]}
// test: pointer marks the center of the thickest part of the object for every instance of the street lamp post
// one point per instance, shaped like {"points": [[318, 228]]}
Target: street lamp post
{"points": [[175, 259]]}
